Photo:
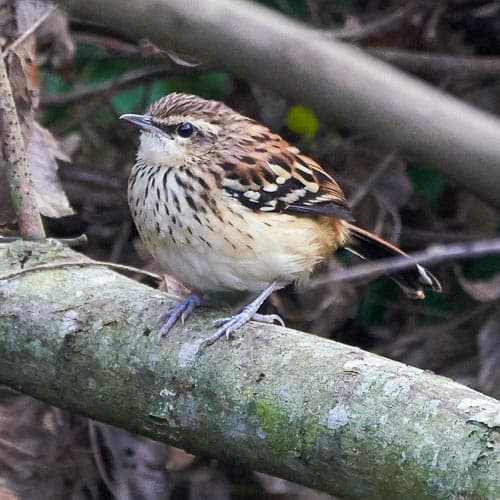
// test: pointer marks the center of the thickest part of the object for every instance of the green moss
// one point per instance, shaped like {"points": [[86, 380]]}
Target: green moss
{"points": [[272, 419]]}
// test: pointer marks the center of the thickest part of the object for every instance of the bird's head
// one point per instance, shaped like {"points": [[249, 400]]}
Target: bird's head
{"points": [[180, 129]]}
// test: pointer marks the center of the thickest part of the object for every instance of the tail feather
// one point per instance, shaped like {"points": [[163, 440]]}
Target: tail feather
{"points": [[412, 281]]}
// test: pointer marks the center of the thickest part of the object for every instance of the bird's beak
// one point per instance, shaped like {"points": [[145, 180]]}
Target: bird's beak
{"points": [[142, 121]]}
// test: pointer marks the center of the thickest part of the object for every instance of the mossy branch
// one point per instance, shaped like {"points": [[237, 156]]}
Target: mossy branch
{"points": [[314, 411]]}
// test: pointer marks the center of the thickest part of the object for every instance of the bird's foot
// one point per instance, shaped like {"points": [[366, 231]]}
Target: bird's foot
{"points": [[182, 310], [232, 323], [260, 318]]}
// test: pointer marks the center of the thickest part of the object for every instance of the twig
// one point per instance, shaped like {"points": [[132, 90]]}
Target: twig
{"points": [[436, 66], [77, 241], [433, 255], [377, 26], [392, 210], [430, 30], [30, 30], [125, 80], [412, 236], [18, 174], [110, 44], [82, 263], [363, 189]]}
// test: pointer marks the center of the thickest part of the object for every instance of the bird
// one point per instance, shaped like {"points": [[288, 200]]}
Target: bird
{"points": [[224, 204]]}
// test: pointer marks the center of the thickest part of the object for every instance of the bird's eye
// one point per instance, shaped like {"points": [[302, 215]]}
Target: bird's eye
{"points": [[185, 130]]}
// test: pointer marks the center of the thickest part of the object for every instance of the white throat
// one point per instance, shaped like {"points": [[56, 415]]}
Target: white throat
{"points": [[157, 150]]}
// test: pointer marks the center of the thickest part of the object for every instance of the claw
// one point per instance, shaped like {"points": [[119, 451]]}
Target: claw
{"points": [[182, 310], [231, 324], [268, 318], [260, 318]]}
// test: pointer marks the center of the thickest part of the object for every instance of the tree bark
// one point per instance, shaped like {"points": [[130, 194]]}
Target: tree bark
{"points": [[339, 81], [304, 408], [13, 160]]}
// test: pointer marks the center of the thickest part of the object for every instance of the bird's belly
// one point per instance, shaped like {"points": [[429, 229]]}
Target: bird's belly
{"points": [[240, 254], [226, 246]]}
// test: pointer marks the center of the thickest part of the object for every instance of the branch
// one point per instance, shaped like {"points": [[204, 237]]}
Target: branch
{"points": [[377, 26], [434, 254], [339, 81], [314, 411], [123, 81], [438, 66], [14, 161]]}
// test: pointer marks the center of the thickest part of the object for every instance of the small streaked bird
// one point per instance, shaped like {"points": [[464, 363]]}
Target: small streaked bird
{"points": [[224, 204]]}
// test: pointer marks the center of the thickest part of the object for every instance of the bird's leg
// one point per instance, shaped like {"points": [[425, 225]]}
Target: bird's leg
{"points": [[249, 312], [182, 310]]}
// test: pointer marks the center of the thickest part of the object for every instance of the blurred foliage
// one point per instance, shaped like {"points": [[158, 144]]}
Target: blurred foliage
{"points": [[427, 181], [302, 120]]}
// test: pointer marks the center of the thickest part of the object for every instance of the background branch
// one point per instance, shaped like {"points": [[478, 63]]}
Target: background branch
{"points": [[126, 80], [438, 66], [432, 255], [377, 26], [339, 81], [320, 413]]}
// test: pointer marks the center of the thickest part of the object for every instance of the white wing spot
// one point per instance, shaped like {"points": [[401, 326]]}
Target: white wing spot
{"points": [[312, 187], [281, 172], [306, 170], [252, 195], [270, 188], [290, 197]]}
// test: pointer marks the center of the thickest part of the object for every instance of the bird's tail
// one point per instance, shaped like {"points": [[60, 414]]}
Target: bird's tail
{"points": [[412, 281]]}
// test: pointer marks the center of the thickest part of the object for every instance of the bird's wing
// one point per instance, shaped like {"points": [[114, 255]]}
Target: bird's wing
{"points": [[275, 177]]}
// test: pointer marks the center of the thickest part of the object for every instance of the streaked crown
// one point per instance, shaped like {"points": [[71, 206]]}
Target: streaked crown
{"points": [[181, 129]]}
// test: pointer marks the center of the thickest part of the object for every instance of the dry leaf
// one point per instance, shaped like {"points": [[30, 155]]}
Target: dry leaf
{"points": [[42, 153], [42, 149]]}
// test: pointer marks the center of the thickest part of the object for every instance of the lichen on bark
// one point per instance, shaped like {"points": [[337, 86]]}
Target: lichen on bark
{"points": [[307, 409]]}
